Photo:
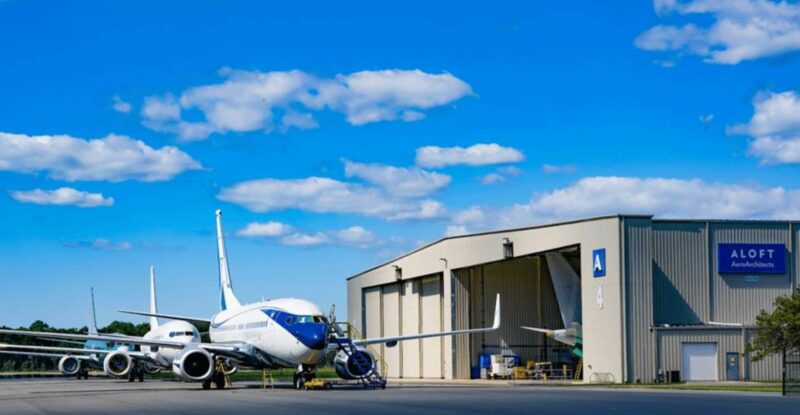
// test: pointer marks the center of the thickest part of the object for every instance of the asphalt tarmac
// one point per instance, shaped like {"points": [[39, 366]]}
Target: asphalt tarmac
{"points": [[104, 396]]}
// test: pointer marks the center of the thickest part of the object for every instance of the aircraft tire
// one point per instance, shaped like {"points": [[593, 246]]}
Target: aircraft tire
{"points": [[207, 384], [141, 376], [219, 380]]}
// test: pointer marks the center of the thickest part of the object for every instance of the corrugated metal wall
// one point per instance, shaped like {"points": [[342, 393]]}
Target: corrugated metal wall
{"points": [[680, 273], [735, 300], [461, 313], [670, 341], [770, 368], [639, 300]]}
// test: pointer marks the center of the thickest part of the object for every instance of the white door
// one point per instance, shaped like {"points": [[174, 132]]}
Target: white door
{"points": [[699, 361]]}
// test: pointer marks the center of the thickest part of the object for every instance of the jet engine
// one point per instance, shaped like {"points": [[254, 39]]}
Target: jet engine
{"points": [[194, 364], [69, 365], [151, 369], [117, 364], [356, 365]]}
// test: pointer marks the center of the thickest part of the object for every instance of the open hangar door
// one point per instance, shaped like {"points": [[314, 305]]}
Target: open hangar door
{"points": [[528, 298]]}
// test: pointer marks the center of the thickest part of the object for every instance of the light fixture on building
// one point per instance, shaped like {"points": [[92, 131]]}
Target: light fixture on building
{"points": [[398, 272], [444, 260], [508, 248]]}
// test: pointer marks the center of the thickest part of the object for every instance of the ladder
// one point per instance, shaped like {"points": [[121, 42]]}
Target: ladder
{"points": [[344, 340], [578, 369]]}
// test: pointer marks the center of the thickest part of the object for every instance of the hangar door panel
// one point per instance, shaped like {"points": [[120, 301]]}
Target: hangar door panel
{"points": [[431, 322], [372, 312], [391, 327], [699, 361], [410, 349]]}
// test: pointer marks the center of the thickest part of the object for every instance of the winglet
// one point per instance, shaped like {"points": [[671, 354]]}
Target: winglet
{"points": [[153, 303], [496, 324]]}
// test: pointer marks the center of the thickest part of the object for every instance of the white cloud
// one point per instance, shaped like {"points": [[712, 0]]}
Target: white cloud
{"points": [[471, 215], [492, 178], [113, 158], [740, 30], [246, 100], [64, 196], [662, 197], [352, 236], [325, 195], [101, 244], [775, 127], [474, 155], [121, 106], [399, 181], [509, 170], [455, 230], [707, 118], [268, 229], [553, 168], [302, 239]]}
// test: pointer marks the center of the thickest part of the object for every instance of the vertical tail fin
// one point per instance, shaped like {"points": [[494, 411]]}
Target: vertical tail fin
{"points": [[92, 314], [226, 297], [567, 285], [153, 305]]}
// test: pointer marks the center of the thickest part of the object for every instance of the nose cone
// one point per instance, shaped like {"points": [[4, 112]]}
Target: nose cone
{"points": [[312, 335]]}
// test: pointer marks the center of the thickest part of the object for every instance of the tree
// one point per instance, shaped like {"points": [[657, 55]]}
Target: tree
{"points": [[778, 331]]}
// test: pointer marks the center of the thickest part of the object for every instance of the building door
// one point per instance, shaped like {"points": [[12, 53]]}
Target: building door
{"points": [[699, 361], [732, 366]]}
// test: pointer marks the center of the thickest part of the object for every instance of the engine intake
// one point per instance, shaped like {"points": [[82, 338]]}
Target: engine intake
{"points": [[117, 364], [359, 364], [194, 364], [69, 365]]}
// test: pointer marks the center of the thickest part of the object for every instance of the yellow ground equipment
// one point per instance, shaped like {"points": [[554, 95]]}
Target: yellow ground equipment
{"points": [[317, 384]]}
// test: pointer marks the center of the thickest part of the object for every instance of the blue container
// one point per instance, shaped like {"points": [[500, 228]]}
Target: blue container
{"points": [[484, 361], [516, 360], [474, 372]]}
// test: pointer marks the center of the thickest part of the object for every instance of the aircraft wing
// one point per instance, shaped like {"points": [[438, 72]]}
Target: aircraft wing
{"points": [[42, 354], [51, 349], [100, 337], [545, 331], [396, 339], [167, 316]]}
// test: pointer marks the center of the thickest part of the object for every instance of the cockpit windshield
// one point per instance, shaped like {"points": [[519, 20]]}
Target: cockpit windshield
{"points": [[311, 319]]}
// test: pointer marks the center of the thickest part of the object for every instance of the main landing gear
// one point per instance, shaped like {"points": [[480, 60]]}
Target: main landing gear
{"points": [[82, 374], [302, 375]]}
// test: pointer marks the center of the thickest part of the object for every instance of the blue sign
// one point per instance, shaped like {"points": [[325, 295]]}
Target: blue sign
{"points": [[751, 258], [599, 262]]}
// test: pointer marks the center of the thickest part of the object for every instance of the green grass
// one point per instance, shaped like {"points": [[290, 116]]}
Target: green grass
{"points": [[250, 375]]}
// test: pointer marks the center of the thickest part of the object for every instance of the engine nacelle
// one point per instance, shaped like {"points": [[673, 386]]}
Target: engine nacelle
{"points": [[194, 364], [117, 364], [151, 369], [69, 365], [357, 365]]}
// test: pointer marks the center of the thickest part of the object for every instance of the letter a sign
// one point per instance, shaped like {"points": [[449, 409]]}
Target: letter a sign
{"points": [[599, 262]]}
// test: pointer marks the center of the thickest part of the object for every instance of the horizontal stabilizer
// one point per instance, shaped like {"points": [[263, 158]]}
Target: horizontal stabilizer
{"points": [[395, 339], [167, 316], [64, 350]]}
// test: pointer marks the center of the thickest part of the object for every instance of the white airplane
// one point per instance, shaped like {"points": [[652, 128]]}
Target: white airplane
{"points": [[119, 359], [281, 333], [567, 286]]}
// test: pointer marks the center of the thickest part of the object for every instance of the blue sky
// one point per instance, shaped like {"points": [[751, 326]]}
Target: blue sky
{"points": [[336, 137]]}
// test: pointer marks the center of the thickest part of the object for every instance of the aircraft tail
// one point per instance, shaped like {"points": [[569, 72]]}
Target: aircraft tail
{"points": [[567, 285], [92, 314], [153, 304], [226, 297]]}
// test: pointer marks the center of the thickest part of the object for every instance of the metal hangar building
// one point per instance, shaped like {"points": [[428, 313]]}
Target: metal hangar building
{"points": [[655, 296]]}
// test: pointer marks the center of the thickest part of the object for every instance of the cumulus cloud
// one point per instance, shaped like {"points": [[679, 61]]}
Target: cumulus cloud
{"points": [[101, 244], [775, 128], [353, 236], [264, 229], [399, 181], [64, 196], [492, 178], [248, 100], [113, 158], [554, 168], [325, 195], [121, 106], [739, 30], [662, 197], [474, 155]]}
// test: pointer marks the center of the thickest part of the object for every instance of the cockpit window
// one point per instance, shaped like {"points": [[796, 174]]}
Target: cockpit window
{"points": [[290, 320]]}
